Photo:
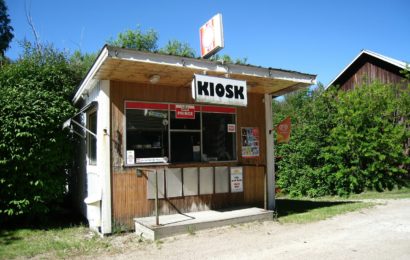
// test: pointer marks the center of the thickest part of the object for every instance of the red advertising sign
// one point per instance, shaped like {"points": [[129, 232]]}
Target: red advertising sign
{"points": [[283, 131], [184, 111]]}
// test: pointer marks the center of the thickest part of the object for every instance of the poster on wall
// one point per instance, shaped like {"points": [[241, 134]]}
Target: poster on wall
{"points": [[236, 179], [250, 142]]}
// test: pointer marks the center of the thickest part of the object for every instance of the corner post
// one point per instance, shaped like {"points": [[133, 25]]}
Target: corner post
{"points": [[270, 154], [104, 154]]}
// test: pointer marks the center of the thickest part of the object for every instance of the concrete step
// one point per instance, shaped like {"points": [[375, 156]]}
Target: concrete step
{"points": [[170, 225]]}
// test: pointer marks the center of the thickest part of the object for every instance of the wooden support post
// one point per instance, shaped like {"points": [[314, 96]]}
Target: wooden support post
{"points": [[156, 198]]}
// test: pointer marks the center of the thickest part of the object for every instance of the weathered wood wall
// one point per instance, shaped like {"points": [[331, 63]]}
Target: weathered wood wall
{"points": [[129, 199], [130, 196], [368, 73]]}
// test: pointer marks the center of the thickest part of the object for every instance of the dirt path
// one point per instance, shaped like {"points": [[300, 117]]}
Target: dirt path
{"points": [[382, 232]]}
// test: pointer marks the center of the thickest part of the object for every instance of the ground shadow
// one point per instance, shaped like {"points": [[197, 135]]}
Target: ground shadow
{"points": [[56, 219], [285, 207]]}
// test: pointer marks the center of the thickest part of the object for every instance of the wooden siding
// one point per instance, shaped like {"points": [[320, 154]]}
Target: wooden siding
{"points": [[130, 197], [129, 192], [368, 73]]}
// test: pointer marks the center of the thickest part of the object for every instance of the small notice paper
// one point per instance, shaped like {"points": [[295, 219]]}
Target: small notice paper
{"points": [[130, 157], [236, 179]]}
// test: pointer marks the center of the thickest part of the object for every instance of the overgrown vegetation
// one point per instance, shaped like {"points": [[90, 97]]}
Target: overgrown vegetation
{"points": [[35, 153], [344, 142]]}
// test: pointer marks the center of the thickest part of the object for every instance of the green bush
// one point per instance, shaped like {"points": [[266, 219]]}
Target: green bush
{"points": [[365, 149], [35, 153], [299, 167], [343, 142]]}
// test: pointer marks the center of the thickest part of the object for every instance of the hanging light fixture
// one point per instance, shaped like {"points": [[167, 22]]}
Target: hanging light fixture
{"points": [[154, 79]]}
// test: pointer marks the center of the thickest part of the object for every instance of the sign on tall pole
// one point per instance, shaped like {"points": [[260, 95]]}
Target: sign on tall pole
{"points": [[211, 36]]}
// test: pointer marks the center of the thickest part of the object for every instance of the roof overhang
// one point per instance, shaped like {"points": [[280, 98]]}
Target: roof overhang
{"points": [[120, 64]]}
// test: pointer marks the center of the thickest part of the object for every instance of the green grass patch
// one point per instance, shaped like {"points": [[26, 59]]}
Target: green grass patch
{"points": [[304, 210], [52, 243], [396, 193]]}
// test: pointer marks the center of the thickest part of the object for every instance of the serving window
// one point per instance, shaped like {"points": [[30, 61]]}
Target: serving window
{"points": [[160, 133]]}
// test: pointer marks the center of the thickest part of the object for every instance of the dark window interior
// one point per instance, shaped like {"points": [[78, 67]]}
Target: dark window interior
{"points": [[147, 133], [92, 141], [219, 145], [150, 135]]}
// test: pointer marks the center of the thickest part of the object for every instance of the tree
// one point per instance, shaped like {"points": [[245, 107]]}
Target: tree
{"points": [[299, 165], [82, 62], [6, 30], [177, 48], [227, 59], [35, 153], [136, 39]]}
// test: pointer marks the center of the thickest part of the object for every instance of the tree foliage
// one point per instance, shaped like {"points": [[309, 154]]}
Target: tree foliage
{"points": [[225, 58], [299, 164], [136, 39], [344, 142], [35, 153], [365, 148], [6, 29], [81, 62], [177, 48]]}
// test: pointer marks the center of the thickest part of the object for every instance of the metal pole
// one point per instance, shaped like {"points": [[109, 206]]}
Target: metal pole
{"points": [[156, 199]]}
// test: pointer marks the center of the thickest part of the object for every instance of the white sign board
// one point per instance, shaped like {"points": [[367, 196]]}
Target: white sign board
{"points": [[211, 36], [223, 91], [152, 160], [236, 179], [130, 157]]}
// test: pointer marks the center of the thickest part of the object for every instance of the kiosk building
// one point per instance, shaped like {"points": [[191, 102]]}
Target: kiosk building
{"points": [[203, 127]]}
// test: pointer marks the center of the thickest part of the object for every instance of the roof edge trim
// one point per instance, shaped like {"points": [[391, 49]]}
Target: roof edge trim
{"points": [[85, 84]]}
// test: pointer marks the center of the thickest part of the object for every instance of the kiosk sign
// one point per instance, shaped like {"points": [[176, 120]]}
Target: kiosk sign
{"points": [[223, 91]]}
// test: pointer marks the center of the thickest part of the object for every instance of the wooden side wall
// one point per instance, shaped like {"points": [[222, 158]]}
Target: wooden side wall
{"points": [[368, 73], [129, 192], [130, 197]]}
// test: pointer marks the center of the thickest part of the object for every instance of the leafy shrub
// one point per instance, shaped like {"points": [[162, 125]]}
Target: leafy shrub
{"points": [[344, 142], [35, 153], [365, 147]]}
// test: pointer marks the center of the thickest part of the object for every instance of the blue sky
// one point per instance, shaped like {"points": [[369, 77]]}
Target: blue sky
{"points": [[317, 36]]}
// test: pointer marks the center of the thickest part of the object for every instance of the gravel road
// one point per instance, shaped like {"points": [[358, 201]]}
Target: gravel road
{"points": [[381, 232]]}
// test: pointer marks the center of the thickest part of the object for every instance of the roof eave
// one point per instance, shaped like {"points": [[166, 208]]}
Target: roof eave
{"points": [[207, 65], [89, 78]]}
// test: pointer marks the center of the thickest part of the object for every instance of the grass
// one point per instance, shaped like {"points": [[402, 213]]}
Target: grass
{"points": [[305, 211], [56, 242], [60, 239]]}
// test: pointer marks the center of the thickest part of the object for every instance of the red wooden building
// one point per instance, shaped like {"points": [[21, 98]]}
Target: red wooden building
{"points": [[367, 67]]}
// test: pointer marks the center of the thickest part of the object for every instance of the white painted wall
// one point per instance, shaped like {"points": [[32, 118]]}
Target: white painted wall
{"points": [[98, 200]]}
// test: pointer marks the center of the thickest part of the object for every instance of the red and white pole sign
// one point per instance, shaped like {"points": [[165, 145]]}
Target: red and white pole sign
{"points": [[211, 36], [185, 111]]}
